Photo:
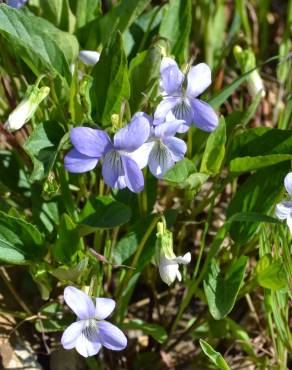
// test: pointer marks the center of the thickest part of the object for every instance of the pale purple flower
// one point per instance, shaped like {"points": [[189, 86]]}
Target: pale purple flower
{"points": [[119, 168], [162, 149], [89, 146], [284, 209], [90, 332], [181, 102], [16, 3]]}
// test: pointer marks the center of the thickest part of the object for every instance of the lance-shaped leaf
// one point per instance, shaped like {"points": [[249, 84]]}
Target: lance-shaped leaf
{"points": [[214, 356], [176, 26], [144, 72], [221, 292], [110, 85], [215, 150]]}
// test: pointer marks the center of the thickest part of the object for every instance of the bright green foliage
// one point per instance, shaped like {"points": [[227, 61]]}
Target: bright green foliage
{"points": [[221, 292], [214, 356], [110, 87], [215, 150], [176, 27], [42, 46]]}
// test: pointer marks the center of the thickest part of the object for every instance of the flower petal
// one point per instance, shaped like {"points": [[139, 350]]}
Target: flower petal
{"points": [[89, 57], [141, 155], [133, 175], [71, 334], [160, 160], [87, 346], [91, 142], [104, 307], [171, 76], [288, 183], [113, 170], [167, 129], [79, 302], [199, 78], [79, 163], [176, 146], [133, 135], [163, 108], [168, 271], [111, 336], [185, 259], [205, 117], [283, 210]]}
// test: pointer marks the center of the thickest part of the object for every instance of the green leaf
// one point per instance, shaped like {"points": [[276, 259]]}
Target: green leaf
{"points": [[180, 171], [42, 46], [125, 248], [68, 241], [258, 193], [110, 85], [195, 181], [52, 322], [245, 164], [86, 11], [120, 17], [157, 332], [221, 97], [71, 273], [20, 241], [215, 150], [59, 13], [270, 273], [258, 148], [143, 73], [176, 26], [214, 356], [43, 146], [104, 212], [221, 292]]}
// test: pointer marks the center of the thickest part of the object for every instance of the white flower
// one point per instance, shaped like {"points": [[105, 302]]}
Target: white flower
{"points": [[168, 263], [283, 210], [169, 268], [89, 57], [27, 107]]}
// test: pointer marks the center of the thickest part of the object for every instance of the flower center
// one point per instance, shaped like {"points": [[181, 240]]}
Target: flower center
{"points": [[90, 330], [182, 109]]}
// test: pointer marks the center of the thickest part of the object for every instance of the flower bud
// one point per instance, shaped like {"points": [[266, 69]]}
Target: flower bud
{"points": [[247, 61], [89, 57], [166, 260], [27, 107]]}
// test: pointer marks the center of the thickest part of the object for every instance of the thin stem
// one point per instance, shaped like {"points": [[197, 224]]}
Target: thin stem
{"points": [[137, 255], [17, 297]]}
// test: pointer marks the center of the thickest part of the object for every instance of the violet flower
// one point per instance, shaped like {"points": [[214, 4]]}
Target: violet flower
{"points": [[119, 168], [16, 3], [284, 209], [162, 149], [90, 332], [181, 102]]}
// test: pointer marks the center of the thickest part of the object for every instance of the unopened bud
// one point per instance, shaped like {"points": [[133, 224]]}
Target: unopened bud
{"points": [[27, 107]]}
